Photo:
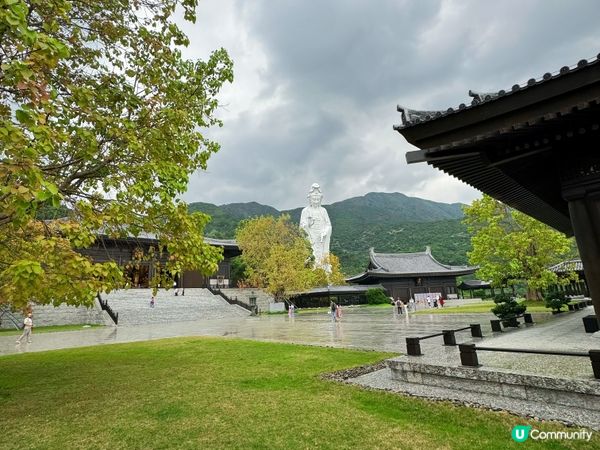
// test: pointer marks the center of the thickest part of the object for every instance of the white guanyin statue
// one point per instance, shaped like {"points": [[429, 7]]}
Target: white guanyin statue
{"points": [[315, 221]]}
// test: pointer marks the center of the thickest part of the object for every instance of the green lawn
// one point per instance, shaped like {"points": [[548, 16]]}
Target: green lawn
{"points": [[481, 307], [48, 329], [211, 393]]}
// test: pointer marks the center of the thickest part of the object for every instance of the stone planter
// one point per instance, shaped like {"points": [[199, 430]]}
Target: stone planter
{"points": [[510, 323], [591, 324]]}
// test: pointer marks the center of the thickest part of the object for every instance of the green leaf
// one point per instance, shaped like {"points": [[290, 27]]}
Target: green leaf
{"points": [[22, 116]]}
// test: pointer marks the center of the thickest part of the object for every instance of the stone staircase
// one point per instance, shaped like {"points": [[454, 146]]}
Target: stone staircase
{"points": [[134, 308]]}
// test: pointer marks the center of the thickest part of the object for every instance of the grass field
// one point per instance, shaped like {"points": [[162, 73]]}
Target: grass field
{"points": [[210, 393], [480, 307], [48, 329]]}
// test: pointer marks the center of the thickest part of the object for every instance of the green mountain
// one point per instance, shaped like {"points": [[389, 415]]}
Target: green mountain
{"points": [[389, 222], [225, 218]]}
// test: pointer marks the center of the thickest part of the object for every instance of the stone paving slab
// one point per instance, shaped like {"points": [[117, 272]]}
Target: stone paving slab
{"points": [[362, 328]]}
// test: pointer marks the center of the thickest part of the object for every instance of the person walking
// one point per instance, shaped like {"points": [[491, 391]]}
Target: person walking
{"points": [[338, 312], [333, 308], [291, 310], [411, 304], [27, 326]]}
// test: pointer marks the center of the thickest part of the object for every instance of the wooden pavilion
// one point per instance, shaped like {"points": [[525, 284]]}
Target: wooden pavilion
{"points": [[406, 275], [533, 147], [475, 285], [564, 269], [124, 252]]}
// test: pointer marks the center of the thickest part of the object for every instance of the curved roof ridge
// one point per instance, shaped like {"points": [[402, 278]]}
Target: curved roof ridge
{"points": [[570, 265], [373, 259], [447, 266], [412, 117], [399, 253]]}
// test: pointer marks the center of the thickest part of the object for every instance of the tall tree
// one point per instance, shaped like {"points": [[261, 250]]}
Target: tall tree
{"points": [[100, 114], [278, 257], [510, 246]]}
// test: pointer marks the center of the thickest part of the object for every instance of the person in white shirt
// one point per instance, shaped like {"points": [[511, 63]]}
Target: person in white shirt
{"points": [[27, 326]]}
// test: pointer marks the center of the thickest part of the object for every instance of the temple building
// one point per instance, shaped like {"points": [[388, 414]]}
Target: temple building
{"points": [[533, 146], [126, 252], [564, 269], [406, 275]]}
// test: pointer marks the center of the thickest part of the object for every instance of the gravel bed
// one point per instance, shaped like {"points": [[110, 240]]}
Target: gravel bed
{"points": [[354, 372]]}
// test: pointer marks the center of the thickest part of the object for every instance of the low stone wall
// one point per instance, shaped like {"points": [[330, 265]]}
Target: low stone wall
{"points": [[567, 392], [47, 315]]}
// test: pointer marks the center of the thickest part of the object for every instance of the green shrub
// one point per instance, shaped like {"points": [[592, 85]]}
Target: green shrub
{"points": [[377, 297], [556, 300], [507, 306]]}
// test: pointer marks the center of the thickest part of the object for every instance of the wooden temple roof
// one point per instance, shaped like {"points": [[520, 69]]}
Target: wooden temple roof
{"points": [[469, 285], [420, 264], [229, 245], [572, 265], [510, 144]]}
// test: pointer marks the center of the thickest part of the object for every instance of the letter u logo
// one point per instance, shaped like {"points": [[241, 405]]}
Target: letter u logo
{"points": [[520, 433]]}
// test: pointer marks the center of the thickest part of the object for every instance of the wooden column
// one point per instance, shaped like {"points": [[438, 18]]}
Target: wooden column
{"points": [[585, 218]]}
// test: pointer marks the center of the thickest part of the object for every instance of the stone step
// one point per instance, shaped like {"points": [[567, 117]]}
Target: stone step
{"points": [[134, 307]]}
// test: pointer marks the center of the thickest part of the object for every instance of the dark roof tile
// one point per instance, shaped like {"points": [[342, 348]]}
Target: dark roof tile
{"points": [[415, 116]]}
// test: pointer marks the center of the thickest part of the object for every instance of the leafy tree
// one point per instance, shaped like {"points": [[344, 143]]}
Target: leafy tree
{"points": [[277, 257], [510, 246], [556, 300], [335, 277], [507, 308], [100, 115], [377, 296]]}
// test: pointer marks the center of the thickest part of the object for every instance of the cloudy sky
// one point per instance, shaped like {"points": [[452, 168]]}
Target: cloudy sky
{"points": [[317, 83]]}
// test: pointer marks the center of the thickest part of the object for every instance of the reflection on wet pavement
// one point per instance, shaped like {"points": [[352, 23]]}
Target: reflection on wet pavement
{"points": [[365, 328]]}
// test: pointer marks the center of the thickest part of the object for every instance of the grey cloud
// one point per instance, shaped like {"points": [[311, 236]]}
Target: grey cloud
{"points": [[335, 71]]}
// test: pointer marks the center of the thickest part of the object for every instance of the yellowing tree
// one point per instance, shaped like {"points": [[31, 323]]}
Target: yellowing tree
{"points": [[278, 257], [510, 246], [102, 116]]}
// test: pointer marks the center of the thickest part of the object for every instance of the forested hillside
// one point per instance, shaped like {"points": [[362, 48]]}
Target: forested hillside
{"points": [[387, 222]]}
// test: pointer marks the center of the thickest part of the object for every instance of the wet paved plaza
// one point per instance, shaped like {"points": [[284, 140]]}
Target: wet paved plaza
{"points": [[363, 328], [360, 328]]}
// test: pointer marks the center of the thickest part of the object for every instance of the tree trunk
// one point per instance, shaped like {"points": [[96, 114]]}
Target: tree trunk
{"points": [[532, 294]]}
